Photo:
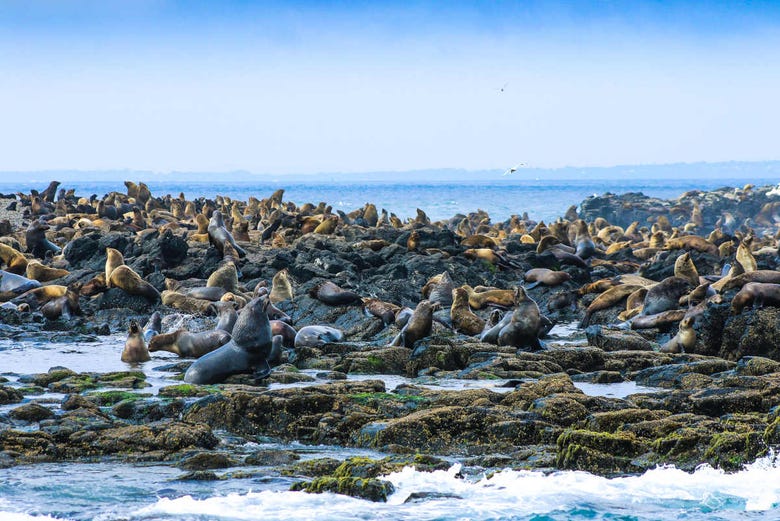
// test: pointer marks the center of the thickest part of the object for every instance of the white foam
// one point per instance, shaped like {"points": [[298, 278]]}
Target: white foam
{"points": [[664, 491], [774, 191]]}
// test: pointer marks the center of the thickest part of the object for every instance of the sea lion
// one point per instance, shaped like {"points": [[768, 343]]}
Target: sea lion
{"points": [[520, 328], [691, 242], [218, 234], [316, 336], [14, 260], [331, 294], [585, 247], [225, 277], [403, 315], [248, 350], [65, 306], [759, 293], [281, 288], [686, 269], [226, 315], [765, 276], [545, 276], [124, 278], [495, 297], [95, 285], [665, 295], [153, 326], [37, 271], [185, 303], [135, 348], [562, 300], [419, 325], [658, 319], [463, 319], [745, 258], [39, 296], [114, 259], [284, 330], [684, 340], [600, 286], [212, 293], [189, 345], [440, 290], [380, 309], [608, 299], [36, 240]]}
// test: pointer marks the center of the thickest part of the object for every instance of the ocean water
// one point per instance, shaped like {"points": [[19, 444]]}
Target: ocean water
{"points": [[110, 491], [542, 199]]}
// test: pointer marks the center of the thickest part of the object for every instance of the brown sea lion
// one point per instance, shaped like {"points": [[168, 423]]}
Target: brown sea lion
{"points": [[600, 286], [520, 328], [331, 294], [94, 286], [745, 258], [609, 298], [691, 242], [495, 297], [124, 278], [135, 350], [658, 319], [759, 293], [686, 269], [419, 325], [285, 330], [281, 288], [546, 277], [765, 276], [684, 340], [189, 345], [65, 306], [37, 297], [463, 319], [41, 273], [225, 277], [114, 259], [218, 234], [380, 309], [14, 260], [439, 291], [187, 304]]}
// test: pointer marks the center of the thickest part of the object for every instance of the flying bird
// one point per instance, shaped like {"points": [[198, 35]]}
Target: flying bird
{"points": [[513, 169]]}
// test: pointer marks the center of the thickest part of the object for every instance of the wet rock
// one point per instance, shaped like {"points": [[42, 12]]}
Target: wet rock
{"points": [[617, 339], [207, 460], [9, 395], [31, 412]]}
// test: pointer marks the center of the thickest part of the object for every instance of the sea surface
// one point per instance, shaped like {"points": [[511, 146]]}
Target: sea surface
{"points": [[542, 199], [110, 491]]}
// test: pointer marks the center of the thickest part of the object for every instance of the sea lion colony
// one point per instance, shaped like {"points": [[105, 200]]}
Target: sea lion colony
{"points": [[650, 274]]}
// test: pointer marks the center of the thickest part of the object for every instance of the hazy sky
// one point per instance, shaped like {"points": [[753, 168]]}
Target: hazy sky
{"points": [[298, 87]]}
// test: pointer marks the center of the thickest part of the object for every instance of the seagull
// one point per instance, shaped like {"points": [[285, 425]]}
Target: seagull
{"points": [[504, 87], [513, 169]]}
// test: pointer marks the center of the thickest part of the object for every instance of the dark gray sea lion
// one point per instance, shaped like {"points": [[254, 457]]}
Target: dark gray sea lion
{"points": [[213, 293], [218, 234], [419, 325], [521, 327], [153, 326], [17, 284], [665, 295], [440, 292], [189, 345], [37, 243], [248, 350], [226, 316], [65, 306], [135, 348], [331, 294], [315, 336]]}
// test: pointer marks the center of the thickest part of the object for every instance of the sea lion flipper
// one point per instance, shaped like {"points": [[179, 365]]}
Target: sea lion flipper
{"points": [[263, 370]]}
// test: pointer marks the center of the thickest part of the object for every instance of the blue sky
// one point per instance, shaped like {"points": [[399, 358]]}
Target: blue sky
{"points": [[300, 87]]}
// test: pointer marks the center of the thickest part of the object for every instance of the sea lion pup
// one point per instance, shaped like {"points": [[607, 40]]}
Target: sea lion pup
{"points": [[189, 345], [316, 336], [185, 303], [281, 288], [607, 299], [686, 269], [439, 289], [759, 293], [135, 347], [504, 298], [14, 260], [419, 325], [248, 350], [36, 240], [218, 234], [331, 294], [37, 271], [665, 295], [380, 309], [545, 276], [463, 319], [520, 328], [684, 340], [226, 315], [65, 306], [561, 300], [153, 326]]}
